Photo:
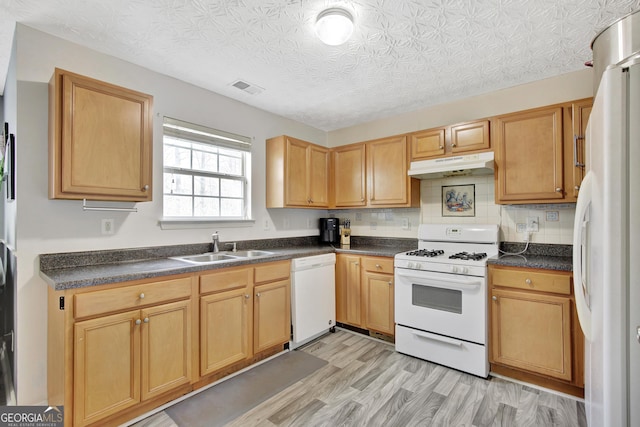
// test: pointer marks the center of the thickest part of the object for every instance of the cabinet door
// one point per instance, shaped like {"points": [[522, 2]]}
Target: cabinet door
{"points": [[349, 176], [295, 180], [166, 347], [387, 168], [378, 301], [353, 291], [532, 332], [272, 315], [576, 158], [225, 328], [427, 144], [318, 176], [470, 136], [106, 373], [102, 140], [529, 157]]}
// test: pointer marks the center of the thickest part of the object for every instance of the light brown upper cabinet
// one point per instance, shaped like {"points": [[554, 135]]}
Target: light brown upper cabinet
{"points": [[427, 143], [349, 176], [470, 136], [539, 153], [297, 174], [450, 140], [374, 174], [575, 154], [100, 140], [387, 174], [529, 156]]}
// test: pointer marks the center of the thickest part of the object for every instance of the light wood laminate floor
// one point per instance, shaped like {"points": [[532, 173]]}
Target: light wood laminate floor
{"points": [[367, 383]]}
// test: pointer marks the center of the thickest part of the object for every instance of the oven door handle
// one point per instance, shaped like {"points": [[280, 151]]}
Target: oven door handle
{"points": [[474, 283], [438, 338]]}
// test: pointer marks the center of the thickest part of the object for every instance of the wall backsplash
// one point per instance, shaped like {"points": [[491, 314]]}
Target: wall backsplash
{"points": [[555, 222]]}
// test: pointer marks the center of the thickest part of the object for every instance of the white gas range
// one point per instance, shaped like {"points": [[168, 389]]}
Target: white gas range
{"points": [[441, 296]]}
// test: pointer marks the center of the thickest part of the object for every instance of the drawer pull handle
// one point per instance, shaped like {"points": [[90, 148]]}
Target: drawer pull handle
{"points": [[138, 321], [528, 281], [142, 296], [146, 320]]}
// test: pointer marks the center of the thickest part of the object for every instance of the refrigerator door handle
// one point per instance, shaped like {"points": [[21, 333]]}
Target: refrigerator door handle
{"points": [[580, 261]]}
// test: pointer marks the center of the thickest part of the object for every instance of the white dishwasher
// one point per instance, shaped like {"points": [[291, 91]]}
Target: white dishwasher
{"points": [[313, 297]]}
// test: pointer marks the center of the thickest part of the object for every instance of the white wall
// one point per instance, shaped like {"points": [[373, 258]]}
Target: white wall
{"points": [[47, 226], [567, 87]]}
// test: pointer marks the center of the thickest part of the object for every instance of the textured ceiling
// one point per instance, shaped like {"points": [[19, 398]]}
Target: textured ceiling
{"points": [[403, 55]]}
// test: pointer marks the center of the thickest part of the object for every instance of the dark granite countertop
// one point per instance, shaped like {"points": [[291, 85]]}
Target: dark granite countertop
{"points": [[81, 269], [547, 257]]}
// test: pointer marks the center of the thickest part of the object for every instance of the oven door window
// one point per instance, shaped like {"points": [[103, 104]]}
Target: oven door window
{"points": [[437, 298]]}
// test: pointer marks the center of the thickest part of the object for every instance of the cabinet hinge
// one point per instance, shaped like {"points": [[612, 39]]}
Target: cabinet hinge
{"points": [[61, 303]]}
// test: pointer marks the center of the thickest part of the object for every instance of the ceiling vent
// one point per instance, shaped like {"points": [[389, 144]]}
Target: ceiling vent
{"points": [[247, 87]]}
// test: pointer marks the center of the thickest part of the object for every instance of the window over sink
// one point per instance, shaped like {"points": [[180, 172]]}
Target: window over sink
{"points": [[206, 173]]}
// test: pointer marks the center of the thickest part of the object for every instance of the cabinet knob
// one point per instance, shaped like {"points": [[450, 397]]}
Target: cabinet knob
{"points": [[356, 263], [390, 282], [145, 188], [453, 145], [441, 147], [362, 200], [258, 294], [577, 187], [495, 298], [527, 281], [558, 190], [138, 321], [142, 296], [246, 296], [146, 320], [378, 266]]}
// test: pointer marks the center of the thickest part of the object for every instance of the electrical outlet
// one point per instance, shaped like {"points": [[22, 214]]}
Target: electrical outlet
{"points": [[532, 224], [266, 225], [107, 226], [405, 223], [358, 216], [521, 227]]}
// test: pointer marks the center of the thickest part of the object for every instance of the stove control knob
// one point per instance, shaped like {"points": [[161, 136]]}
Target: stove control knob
{"points": [[454, 269], [409, 264], [418, 266], [465, 270]]}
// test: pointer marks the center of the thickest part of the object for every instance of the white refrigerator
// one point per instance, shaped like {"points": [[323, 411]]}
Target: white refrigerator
{"points": [[606, 255]]}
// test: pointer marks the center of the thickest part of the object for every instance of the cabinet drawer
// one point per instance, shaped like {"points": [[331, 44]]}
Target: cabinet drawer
{"points": [[225, 280], [272, 271], [532, 280], [378, 265], [109, 300]]}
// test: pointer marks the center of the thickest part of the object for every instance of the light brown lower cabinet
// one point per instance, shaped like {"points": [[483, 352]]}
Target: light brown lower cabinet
{"points": [[117, 351], [364, 292], [534, 334]]}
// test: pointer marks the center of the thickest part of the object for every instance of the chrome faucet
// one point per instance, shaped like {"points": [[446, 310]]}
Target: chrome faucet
{"points": [[216, 238]]}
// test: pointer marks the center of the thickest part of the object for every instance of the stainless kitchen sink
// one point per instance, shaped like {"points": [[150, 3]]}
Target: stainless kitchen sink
{"points": [[251, 254], [211, 257], [206, 258]]}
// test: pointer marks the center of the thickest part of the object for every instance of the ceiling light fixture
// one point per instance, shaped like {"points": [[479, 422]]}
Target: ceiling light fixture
{"points": [[334, 26]]}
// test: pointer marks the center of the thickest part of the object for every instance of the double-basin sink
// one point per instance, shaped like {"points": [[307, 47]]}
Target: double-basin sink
{"points": [[211, 257]]}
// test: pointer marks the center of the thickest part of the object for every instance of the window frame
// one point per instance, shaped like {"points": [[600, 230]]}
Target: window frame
{"points": [[197, 134]]}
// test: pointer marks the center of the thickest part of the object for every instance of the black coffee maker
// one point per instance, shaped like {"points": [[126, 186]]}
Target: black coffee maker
{"points": [[329, 230]]}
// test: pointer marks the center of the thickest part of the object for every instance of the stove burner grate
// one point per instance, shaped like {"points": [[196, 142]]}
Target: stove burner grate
{"points": [[426, 253], [473, 256]]}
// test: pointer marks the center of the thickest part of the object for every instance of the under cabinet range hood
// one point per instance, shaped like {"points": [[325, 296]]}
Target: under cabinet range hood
{"points": [[470, 164]]}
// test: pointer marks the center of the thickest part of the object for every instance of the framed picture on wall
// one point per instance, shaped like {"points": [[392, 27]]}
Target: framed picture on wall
{"points": [[459, 200]]}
